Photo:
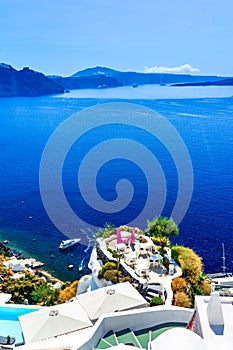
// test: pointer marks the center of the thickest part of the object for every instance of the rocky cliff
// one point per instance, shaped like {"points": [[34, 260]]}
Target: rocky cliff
{"points": [[25, 82]]}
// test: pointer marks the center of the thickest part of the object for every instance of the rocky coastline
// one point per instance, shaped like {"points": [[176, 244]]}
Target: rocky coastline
{"points": [[32, 265]]}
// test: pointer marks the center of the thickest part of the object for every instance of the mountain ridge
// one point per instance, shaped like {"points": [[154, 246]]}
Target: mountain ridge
{"points": [[139, 78], [30, 83], [25, 83]]}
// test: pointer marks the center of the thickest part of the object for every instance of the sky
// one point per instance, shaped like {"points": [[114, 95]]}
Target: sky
{"points": [[64, 36]]}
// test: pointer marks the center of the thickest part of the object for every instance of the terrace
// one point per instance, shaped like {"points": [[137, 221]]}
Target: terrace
{"points": [[141, 260]]}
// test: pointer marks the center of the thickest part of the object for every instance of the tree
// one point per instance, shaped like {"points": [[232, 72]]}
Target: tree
{"points": [[21, 288], [45, 294], [116, 256], [105, 232], [160, 229]]}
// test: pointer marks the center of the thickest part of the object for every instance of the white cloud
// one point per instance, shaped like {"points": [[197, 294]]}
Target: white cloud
{"points": [[185, 69]]}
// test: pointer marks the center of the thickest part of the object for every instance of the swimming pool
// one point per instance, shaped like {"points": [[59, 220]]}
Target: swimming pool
{"points": [[9, 320]]}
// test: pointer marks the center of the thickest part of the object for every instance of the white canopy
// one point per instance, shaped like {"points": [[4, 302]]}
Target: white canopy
{"points": [[52, 321], [4, 298], [118, 297]]}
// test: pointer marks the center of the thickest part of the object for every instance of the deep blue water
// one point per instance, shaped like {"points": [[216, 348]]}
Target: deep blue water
{"points": [[206, 126]]}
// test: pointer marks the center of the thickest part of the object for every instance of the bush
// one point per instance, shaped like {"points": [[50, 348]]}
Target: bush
{"points": [[4, 272], [190, 263], [174, 253], [107, 231], [129, 229], [112, 276], [179, 284], [193, 281], [166, 262], [69, 292], [181, 299], [107, 266], [115, 276], [21, 288], [45, 294], [156, 301], [206, 287]]}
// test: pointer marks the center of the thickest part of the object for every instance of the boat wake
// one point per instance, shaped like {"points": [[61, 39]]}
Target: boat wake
{"points": [[81, 266]]}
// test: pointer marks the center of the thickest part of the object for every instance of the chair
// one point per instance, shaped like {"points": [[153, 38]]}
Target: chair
{"points": [[6, 340], [119, 238]]}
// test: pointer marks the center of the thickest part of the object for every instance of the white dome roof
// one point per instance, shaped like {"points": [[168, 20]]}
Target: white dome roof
{"points": [[179, 339]]}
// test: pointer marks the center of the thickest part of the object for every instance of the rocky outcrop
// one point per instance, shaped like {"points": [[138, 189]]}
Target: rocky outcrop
{"points": [[26, 82]]}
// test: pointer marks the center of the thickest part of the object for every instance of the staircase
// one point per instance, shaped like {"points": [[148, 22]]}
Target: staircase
{"points": [[153, 290]]}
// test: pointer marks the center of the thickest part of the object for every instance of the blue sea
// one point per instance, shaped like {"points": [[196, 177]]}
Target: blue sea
{"points": [[203, 117]]}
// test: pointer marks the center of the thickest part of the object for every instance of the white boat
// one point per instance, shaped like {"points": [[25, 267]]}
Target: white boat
{"points": [[68, 243]]}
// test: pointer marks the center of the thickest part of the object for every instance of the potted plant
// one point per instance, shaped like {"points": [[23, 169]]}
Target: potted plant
{"points": [[8, 339]]}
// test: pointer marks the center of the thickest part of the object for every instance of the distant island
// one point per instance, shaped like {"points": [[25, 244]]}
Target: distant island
{"points": [[103, 77], [221, 82], [27, 82]]}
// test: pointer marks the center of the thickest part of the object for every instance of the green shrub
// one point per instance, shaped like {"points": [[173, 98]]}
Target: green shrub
{"points": [[174, 253], [21, 288], [156, 301], [166, 262], [112, 276], [190, 263], [115, 276], [129, 229], [107, 231], [107, 266], [45, 294]]}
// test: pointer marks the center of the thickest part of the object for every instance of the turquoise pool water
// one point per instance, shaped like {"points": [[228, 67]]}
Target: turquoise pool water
{"points": [[9, 320]]}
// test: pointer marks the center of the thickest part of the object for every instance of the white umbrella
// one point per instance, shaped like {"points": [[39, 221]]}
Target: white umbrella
{"points": [[52, 321], [118, 297]]}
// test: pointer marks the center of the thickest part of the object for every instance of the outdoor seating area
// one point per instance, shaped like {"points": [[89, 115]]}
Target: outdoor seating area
{"points": [[139, 255], [141, 259]]}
